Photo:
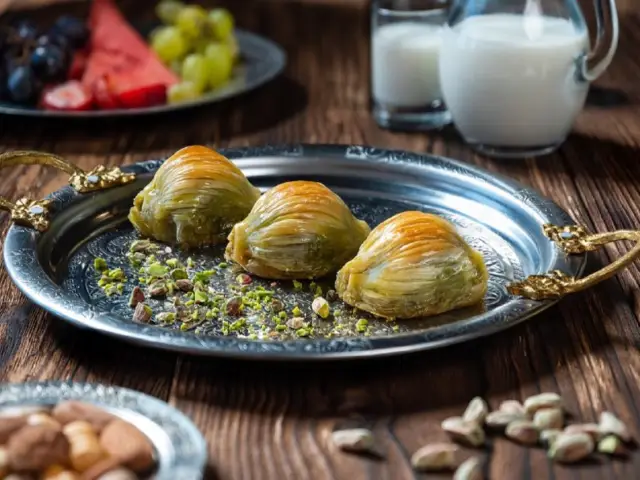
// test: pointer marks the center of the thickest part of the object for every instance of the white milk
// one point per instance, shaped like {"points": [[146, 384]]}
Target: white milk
{"points": [[405, 64], [510, 80]]}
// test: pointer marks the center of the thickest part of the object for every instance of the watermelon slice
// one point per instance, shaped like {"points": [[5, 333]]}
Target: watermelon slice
{"points": [[122, 62]]}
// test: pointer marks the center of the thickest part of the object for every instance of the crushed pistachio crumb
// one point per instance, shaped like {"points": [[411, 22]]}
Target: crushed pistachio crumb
{"points": [[303, 332], [296, 311], [297, 285], [100, 264], [223, 265], [157, 270], [201, 297], [361, 325], [172, 262]]}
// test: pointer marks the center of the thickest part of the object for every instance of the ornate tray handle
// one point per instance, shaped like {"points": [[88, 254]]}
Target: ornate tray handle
{"points": [[35, 213], [575, 239]]}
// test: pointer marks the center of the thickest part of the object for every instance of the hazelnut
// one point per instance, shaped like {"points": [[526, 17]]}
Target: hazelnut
{"points": [[36, 447], [125, 442], [71, 411]]}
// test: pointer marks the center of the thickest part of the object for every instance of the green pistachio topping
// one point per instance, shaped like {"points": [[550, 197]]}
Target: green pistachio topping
{"points": [[201, 297], [157, 270], [361, 325], [172, 262], [100, 264], [297, 285]]}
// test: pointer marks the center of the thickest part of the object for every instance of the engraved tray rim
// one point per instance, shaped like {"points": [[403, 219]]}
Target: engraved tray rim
{"points": [[182, 450], [21, 262]]}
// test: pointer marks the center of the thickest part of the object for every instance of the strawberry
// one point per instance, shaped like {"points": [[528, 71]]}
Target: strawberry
{"points": [[144, 96], [78, 65], [104, 94], [70, 96]]}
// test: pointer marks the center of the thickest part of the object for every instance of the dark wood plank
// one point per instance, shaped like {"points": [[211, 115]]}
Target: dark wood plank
{"points": [[274, 421]]}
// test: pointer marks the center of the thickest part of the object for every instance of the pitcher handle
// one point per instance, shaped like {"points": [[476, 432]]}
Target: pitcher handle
{"points": [[593, 64], [35, 213]]}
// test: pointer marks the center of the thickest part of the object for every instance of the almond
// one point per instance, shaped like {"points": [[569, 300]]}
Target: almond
{"points": [[10, 425], [125, 442], [72, 411], [36, 447]]}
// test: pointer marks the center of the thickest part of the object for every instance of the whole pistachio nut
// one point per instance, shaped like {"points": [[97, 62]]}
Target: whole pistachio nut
{"points": [[435, 456]]}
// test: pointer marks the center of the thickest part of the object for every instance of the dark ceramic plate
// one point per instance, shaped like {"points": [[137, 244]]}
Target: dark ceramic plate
{"points": [[497, 216], [262, 60]]}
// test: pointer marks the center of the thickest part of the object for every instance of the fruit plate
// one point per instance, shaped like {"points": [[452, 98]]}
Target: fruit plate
{"points": [[181, 451], [498, 217], [261, 61]]}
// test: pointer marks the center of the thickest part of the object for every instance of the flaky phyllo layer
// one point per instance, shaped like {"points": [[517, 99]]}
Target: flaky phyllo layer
{"points": [[297, 230], [413, 265], [194, 199]]}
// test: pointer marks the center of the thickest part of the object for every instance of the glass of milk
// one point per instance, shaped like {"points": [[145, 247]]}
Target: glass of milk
{"points": [[515, 73], [406, 36]]}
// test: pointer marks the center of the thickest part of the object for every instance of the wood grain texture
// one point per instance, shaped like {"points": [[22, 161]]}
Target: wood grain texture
{"points": [[274, 421]]}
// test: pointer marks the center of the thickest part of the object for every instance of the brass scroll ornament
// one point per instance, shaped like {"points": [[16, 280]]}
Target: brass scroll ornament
{"points": [[35, 213], [575, 240]]}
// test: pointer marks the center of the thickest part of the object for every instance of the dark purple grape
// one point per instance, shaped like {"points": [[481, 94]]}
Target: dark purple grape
{"points": [[59, 41], [25, 30], [22, 85], [48, 63], [73, 29]]}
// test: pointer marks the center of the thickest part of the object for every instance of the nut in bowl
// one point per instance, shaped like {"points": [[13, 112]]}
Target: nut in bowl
{"points": [[75, 431]]}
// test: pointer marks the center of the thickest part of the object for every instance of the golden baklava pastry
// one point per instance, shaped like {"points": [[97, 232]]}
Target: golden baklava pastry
{"points": [[413, 265], [297, 230], [194, 199]]}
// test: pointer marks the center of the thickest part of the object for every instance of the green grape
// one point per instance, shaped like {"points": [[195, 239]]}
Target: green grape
{"points": [[200, 44], [196, 69], [169, 44], [220, 62], [167, 11], [176, 67], [220, 23], [191, 21], [182, 92], [232, 43]]}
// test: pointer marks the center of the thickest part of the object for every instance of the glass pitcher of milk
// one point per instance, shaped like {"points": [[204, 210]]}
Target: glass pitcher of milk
{"points": [[515, 73]]}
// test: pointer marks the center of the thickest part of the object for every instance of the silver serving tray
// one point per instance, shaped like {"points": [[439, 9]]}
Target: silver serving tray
{"points": [[180, 448], [499, 217]]}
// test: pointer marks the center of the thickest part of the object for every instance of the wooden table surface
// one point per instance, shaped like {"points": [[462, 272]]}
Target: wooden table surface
{"points": [[273, 421]]}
